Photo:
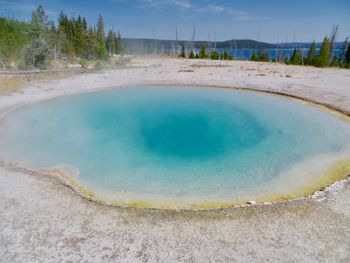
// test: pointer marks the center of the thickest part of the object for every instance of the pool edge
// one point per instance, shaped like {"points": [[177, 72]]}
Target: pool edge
{"points": [[329, 178]]}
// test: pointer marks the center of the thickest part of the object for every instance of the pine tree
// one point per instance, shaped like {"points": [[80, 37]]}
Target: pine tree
{"points": [[102, 52], [325, 53], [36, 53], [192, 54], [224, 55], [79, 38], [100, 28], [111, 42], [85, 25], [202, 51], [227, 56], [214, 55], [119, 45], [53, 40], [39, 23], [335, 62], [311, 58], [296, 58], [92, 44], [254, 56], [347, 58], [183, 51], [66, 35]]}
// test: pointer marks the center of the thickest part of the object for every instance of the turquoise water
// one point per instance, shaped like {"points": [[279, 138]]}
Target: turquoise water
{"points": [[172, 143]]}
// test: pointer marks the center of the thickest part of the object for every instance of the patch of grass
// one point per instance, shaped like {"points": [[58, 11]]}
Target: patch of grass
{"points": [[15, 83], [9, 84]]}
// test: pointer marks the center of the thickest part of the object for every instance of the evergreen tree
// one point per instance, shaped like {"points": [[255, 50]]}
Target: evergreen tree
{"points": [[52, 39], [202, 51], [85, 25], [100, 27], [111, 42], [92, 44], [102, 51], [66, 35], [325, 54], [214, 55], [39, 23], [183, 51], [296, 58], [36, 53], [347, 58], [224, 55], [192, 54], [311, 58], [118, 40], [254, 57], [79, 38], [335, 62]]}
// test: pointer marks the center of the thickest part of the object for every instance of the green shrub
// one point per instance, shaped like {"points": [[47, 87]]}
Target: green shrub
{"points": [[35, 54], [214, 55]]}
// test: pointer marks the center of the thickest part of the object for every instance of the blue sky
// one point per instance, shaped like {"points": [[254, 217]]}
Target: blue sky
{"points": [[266, 20]]}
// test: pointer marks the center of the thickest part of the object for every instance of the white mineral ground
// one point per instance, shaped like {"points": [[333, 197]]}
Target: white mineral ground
{"points": [[43, 221]]}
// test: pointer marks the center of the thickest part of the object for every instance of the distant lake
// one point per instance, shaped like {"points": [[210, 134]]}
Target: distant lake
{"points": [[245, 54]]}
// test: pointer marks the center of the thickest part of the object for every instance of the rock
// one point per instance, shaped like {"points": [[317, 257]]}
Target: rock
{"points": [[251, 202]]}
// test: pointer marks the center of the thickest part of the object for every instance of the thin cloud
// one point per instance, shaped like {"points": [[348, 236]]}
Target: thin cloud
{"points": [[184, 4], [15, 5], [214, 9], [237, 15], [20, 6]]}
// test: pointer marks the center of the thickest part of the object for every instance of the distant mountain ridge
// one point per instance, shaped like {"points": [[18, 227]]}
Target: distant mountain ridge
{"points": [[135, 45], [140, 45]]}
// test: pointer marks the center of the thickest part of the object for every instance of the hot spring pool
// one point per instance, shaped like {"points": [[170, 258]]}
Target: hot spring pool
{"points": [[182, 147]]}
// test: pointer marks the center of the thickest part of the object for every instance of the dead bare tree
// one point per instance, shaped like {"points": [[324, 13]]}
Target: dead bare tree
{"points": [[333, 41], [2, 62]]}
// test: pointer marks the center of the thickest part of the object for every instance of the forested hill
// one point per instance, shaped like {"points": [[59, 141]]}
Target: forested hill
{"points": [[133, 45], [37, 43]]}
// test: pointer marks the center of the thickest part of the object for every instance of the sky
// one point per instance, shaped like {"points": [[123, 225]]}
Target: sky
{"points": [[272, 21]]}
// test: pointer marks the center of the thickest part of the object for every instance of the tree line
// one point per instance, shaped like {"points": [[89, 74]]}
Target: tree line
{"points": [[324, 57], [35, 44], [204, 54]]}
